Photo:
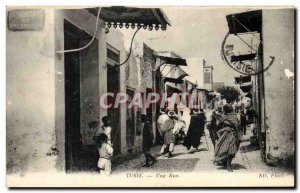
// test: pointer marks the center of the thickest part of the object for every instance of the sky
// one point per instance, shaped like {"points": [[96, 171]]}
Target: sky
{"points": [[194, 33]]}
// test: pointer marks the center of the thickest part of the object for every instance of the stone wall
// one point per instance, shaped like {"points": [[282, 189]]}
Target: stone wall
{"points": [[30, 99], [279, 82]]}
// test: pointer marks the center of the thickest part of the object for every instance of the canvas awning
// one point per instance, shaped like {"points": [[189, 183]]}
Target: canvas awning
{"points": [[172, 89], [173, 72], [191, 83], [173, 80], [243, 57], [245, 22], [171, 66], [242, 79], [173, 61], [119, 16], [170, 61]]}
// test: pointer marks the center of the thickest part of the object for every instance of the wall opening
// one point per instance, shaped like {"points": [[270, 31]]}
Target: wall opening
{"points": [[81, 99], [72, 95], [130, 121], [113, 86]]}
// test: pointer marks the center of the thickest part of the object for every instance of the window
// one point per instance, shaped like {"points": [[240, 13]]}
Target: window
{"points": [[112, 55], [206, 77]]}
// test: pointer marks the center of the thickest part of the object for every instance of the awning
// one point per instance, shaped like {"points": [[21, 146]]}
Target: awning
{"points": [[171, 66], [173, 72], [171, 90], [191, 80], [173, 61], [246, 88], [242, 79], [118, 16], [245, 22], [243, 57], [173, 80]]}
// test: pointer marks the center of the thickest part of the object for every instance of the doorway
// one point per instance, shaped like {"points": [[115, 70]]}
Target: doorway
{"points": [[72, 95], [113, 86], [130, 121], [81, 98]]}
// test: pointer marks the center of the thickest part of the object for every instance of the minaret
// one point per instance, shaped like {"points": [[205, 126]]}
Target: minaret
{"points": [[207, 76]]}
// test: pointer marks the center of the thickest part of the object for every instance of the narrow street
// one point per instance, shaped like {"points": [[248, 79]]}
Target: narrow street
{"points": [[247, 160], [88, 89]]}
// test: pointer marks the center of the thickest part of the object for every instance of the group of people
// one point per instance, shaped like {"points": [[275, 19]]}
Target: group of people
{"points": [[170, 125], [224, 129]]}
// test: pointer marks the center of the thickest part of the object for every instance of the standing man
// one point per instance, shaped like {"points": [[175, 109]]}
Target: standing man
{"points": [[243, 122], [165, 126], [147, 141], [169, 136], [251, 115], [196, 128]]}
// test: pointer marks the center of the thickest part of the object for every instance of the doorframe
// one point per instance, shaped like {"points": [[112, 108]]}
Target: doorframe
{"points": [[112, 64], [135, 119], [60, 130], [72, 30]]}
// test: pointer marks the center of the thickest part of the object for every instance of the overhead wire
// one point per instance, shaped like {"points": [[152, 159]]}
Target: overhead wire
{"points": [[247, 43], [93, 38], [88, 44], [130, 50]]}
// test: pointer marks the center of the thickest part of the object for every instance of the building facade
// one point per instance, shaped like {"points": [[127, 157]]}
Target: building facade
{"points": [[54, 97], [273, 107]]}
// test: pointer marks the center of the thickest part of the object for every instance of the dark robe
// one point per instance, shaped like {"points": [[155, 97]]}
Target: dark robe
{"points": [[243, 119], [202, 122], [213, 129], [243, 123], [229, 137], [147, 137], [196, 129], [213, 123]]}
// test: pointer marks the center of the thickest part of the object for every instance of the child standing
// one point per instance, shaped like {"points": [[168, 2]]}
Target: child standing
{"points": [[105, 154], [106, 129], [147, 141]]}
